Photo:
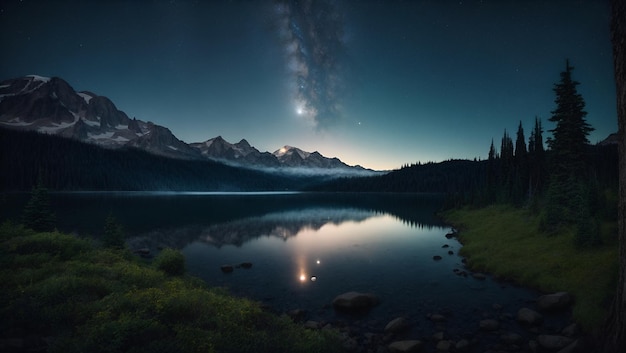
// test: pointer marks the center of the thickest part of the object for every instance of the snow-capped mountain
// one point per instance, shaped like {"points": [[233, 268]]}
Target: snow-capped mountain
{"points": [[240, 153], [52, 106]]}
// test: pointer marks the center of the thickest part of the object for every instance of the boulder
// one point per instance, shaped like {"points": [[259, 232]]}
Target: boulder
{"points": [[462, 345], [512, 338], [245, 265], [572, 330], [227, 268], [437, 257], [312, 325], [554, 302], [405, 346], [529, 317], [437, 318], [554, 342], [397, 325], [489, 325], [444, 345], [142, 251], [355, 301]]}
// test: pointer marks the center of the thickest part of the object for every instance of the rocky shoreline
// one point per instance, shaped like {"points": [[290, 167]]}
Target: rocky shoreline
{"points": [[497, 329]]}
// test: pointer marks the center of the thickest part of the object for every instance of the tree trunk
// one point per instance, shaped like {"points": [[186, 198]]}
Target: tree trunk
{"points": [[614, 335]]}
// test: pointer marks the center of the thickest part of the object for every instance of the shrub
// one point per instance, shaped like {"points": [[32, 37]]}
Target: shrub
{"points": [[113, 234], [171, 262]]}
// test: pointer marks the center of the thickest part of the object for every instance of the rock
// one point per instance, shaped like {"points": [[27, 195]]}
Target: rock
{"points": [[405, 346], [462, 345], [350, 344], [142, 251], [312, 325], [572, 330], [529, 317], [575, 346], [437, 318], [438, 336], [479, 276], [397, 325], [511, 338], [554, 302], [489, 325], [554, 342], [227, 268], [354, 301], [450, 252], [437, 257], [445, 246], [444, 346], [245, 265], [452, 234], [296, 315]]}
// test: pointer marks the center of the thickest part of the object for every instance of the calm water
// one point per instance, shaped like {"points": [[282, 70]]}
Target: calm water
{"points": [[305, 249]]}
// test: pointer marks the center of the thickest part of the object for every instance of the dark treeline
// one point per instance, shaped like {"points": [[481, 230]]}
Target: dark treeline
{"points": [[458, 177], [65, 164]]}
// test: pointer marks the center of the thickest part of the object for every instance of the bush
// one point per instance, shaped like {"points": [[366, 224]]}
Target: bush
{"points": [[113, 234], [171, 262]]}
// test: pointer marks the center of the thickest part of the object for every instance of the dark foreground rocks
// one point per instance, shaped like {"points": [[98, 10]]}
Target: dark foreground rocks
{"points": [[355, 301], [493, 330]]}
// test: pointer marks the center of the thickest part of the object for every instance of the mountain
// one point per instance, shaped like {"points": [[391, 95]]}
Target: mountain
{"points": [[52, 106]]}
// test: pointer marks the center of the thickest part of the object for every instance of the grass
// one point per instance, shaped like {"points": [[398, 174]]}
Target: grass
{"points": [[89, 299], [506, 242]]}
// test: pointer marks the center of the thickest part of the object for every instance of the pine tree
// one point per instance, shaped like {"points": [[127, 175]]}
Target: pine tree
{"points": [[520, 143], [568, 145], [569, 142], [38, 214], [113, 234], [536, 159]]}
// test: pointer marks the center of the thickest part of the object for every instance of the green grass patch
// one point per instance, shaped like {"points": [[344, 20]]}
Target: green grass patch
{"points": [[506, 242], [105, 300]]}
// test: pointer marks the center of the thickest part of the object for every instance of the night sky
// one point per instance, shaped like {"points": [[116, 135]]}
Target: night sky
{"points": [[375, 83]]}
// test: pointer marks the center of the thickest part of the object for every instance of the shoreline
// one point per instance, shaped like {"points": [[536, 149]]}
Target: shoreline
{"points": [[505, 242]]}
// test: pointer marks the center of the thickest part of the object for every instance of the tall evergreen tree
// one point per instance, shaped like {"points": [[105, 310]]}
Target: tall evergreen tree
{"points": [[569, 142], [568, 145], [536, 159], [38, 214], [520, 143]]}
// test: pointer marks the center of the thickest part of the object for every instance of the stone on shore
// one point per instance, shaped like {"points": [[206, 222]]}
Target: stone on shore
{"points": [[227, 268], [554, 342], [355, 301], [397, 325], [529, 317], [489, 325], [554, 302], [437, 318], [405, 346]]}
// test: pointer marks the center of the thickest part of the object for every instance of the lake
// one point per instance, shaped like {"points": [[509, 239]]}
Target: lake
{"points": [[306, 248]]}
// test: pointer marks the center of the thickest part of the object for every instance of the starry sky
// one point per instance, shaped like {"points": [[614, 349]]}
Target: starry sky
{"points": [[375, 83]]}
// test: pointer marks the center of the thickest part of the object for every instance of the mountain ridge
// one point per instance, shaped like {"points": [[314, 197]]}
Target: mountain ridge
{"points": [[52, 106]]}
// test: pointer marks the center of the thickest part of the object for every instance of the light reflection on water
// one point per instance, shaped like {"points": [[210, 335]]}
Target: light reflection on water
{"points": [[339, 250]]}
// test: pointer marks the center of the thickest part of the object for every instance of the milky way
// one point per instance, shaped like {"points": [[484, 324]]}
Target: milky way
{"points": [[312, 35]]}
